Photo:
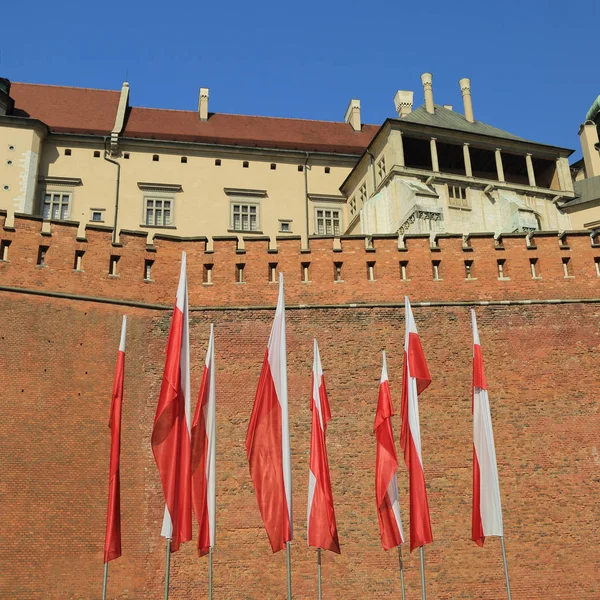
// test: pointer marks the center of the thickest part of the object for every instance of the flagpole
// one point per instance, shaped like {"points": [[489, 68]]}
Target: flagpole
{"points": [[423, 592], [505, 567], [319, 570], [105, 579], [288, 560], [167, 569], [210, 574], [401, 572]]}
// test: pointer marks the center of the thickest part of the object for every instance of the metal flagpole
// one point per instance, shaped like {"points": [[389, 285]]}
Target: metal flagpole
{"points": [[210, 574], [423, 592], [105, 579], [505, 567], [401, 572], [167, 569], [288, 561], [319, 570]]}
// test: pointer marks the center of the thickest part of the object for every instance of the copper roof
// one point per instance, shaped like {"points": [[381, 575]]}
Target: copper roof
{"points": [[90, 111]]}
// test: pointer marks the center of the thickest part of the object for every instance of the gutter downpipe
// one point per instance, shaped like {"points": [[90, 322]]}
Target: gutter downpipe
{"points": [[118, 164], [306, 195]]}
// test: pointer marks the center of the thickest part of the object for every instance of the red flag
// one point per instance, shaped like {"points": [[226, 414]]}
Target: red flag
{"points": [[415, 379], [204, 453], [386, 465], [321, 526], [487, 509], [268, 439], [171, 444], [112, 539]]}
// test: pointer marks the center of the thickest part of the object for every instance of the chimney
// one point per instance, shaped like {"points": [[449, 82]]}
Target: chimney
{"points": [[426, 80], [203, 104], [403, 102], [465, 88], [353, 114], [6, 102], [588, 137]]}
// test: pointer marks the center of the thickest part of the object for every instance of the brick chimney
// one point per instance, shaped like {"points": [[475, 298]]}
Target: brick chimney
{"points": [[203, 104], [353, 115]]}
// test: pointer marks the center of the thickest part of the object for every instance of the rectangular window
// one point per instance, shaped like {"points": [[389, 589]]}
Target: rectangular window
{"points": [[371, 271], [533, 264], [41, 259], [305, 273], [148, 269], [328, 222], [4, 245], [404, 270], [436, 269], [239, 273], [567, 269], [362, 192], [97, 216], [78, 264], [244, 217], [158, 212], [501, 268], [468, 269], [457, 196], [273, 272], [337, 271], [56, 205], [352, 204], [207, 274], [285, 226], [597, 264], [112, 265], [381, 168]]}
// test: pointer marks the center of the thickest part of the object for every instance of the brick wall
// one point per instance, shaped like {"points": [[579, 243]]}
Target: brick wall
{"points": [[58, 357]]}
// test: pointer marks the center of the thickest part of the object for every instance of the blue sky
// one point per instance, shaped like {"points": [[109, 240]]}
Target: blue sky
{"points": [[533, 63]]}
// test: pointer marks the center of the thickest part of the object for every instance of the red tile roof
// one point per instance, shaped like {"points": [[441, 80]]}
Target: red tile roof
{"points": [[67, 109], [80, 110]]}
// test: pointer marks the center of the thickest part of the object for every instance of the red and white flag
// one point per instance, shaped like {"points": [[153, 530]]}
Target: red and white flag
{"points": [[415, 379], [321, 526], [112, 539], [268, 438], [171, 443], [487, 510], [204, 453], [386, 465]]}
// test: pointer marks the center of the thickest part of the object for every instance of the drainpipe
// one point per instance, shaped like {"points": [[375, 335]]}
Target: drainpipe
{"points": [[306, 195], [118, 164]]}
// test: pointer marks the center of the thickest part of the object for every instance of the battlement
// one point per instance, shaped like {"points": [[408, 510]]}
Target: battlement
{"points": [[49, 257]]}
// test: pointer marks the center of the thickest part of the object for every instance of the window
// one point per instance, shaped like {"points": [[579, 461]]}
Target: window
{"points": [[305, 273], [78, 265], [457, 196], [239, 273], [502, 268], [273, 166], [4, 245], [371, 271], [300, 168], [245, 164], [328, 222], [362, 192], [97, 216], [567, 269], [155, 157], [217, 162], [381, 168], [207, 274], [67, 151], [96, 153], [596, 263], [468, 269], [327, 170], [184, 159], [533, 264], [244, 217], [148, 269], [56, 205], [337, 271], [158, 212], [126, 155], [352, 204], [436, 270], [273, 272], [404, 270], [41, 259], [285, 226], [112, 265]]}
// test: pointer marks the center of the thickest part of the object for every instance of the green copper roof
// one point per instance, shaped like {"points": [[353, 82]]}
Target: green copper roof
{"points": [[594, 113]]}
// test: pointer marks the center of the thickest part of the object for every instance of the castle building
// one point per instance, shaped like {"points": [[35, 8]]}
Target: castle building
{"points": [[88, 156]]}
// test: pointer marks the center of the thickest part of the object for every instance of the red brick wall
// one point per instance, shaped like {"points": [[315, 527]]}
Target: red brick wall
{"points": [[58, 359]]}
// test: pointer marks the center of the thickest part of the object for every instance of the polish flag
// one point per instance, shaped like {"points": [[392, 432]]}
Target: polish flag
{"points": [[268, 438], [112, 539], [487, 510], [171, 443], [415, 379], [386, 465], [321, 526], [204, 453]]}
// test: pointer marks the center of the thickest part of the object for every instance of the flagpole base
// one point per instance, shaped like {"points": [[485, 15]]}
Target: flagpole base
{"points": [[167, 568], [105, 581], [401, 572], [423, 591], [505, 567], [288, 560]]}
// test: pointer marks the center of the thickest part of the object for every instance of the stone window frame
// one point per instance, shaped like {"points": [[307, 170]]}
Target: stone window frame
{"points": [[245, 197], [332, 208], [161, 197], [159, 191], [458, 203], [65, 186]]}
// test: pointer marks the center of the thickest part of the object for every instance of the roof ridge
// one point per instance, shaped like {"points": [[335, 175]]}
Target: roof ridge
{"points": [[67, 87]]}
